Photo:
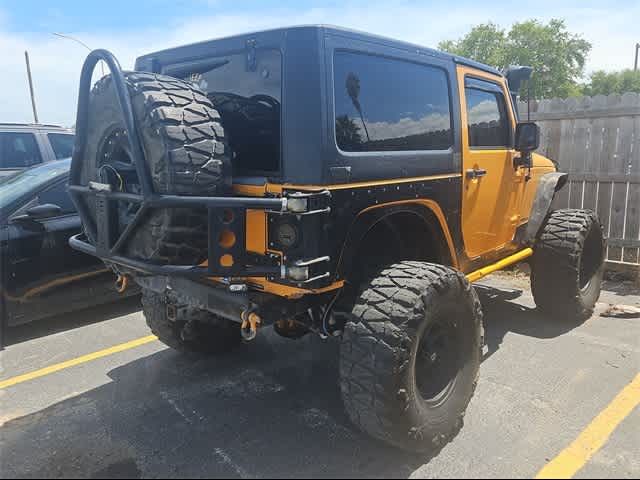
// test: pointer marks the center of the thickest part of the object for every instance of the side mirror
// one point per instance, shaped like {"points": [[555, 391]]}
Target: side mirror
{"points": [[46, 210], [527, 137], [527, 140], [39, 212]]}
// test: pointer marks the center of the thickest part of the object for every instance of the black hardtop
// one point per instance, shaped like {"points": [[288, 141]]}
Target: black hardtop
{"points": [[237, 42], [308, 150]]}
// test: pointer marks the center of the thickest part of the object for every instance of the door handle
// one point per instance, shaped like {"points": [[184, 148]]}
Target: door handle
{"points": [[474, 173]]}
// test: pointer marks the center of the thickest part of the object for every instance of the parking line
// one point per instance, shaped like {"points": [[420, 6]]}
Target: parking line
{"points": [[76, 361], [592, 438]]}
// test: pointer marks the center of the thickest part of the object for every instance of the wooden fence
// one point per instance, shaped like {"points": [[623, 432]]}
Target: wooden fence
{"points": [[597, 141]]}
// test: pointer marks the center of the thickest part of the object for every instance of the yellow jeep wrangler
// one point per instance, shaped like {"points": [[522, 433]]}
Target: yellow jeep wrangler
{"points": [[334, 183]]}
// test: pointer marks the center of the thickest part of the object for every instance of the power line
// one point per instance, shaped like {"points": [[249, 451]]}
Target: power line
{"points": [[78, 41]]}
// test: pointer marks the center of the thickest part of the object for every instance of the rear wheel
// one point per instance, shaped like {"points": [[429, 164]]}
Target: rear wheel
{"points": [[188, 329], [186, 153], [411, 354], [568, 264]]}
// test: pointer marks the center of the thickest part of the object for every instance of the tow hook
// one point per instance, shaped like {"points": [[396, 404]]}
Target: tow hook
{"points": [[122, 283], [251, 321]]}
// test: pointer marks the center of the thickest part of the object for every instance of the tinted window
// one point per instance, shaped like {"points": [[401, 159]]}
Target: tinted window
{"points": [[58, 195], [390, 105], [62, 144], [18, 150], [248, 97], [30, 181], [487, 119]]}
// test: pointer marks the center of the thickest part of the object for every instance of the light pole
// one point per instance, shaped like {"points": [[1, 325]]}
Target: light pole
{"points": [[33, 97], [635, 65]]}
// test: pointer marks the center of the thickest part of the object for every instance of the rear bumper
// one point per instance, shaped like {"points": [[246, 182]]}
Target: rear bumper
{"points": [[216, 299], [80, 243]]}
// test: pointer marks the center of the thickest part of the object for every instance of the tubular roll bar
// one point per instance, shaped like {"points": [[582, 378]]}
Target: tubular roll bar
{"points": [[108, 249]]}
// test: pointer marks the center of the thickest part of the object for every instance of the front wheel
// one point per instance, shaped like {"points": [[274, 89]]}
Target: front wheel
{"points": [[411, 354], [568, 264]]}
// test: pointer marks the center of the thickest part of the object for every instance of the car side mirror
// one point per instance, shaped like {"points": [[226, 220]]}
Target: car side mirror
{"points": [[46, 210], [527, 137], [39, 212], [527, 140]]}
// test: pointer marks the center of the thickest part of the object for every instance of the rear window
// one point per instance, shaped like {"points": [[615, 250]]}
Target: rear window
{"points": [[383, 104], [247, 93], [62, 144], [18, 150]]}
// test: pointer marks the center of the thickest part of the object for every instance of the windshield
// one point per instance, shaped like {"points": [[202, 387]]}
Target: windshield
{"points": [[30, 180]]}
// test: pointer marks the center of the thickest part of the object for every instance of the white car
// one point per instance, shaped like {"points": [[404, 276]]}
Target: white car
{"points": [[26, 145]]}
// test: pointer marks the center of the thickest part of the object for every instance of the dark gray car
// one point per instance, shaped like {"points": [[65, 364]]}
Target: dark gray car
{"points": [[26, 145]]}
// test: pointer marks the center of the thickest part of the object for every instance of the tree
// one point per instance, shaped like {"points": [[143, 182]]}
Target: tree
{"points": [[556, 55], [485, 43], [603, 83], [348, 132]]}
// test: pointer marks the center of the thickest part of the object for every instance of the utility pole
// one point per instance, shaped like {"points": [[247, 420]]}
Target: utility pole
{"points": [[635, 65], [33, 98]]}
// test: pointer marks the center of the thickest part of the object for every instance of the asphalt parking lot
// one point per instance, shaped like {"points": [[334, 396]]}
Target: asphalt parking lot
{"points": [[273, 408]]}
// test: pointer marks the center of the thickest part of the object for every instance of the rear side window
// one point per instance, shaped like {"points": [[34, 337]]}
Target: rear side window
{"points": [[487, 119], [18, 150], [390, 105], [62, 144]]}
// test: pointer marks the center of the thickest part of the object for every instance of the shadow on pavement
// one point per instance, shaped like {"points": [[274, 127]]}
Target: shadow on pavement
{"points": [[270, 410], [502, 316], [273, 409], [69, 321]]}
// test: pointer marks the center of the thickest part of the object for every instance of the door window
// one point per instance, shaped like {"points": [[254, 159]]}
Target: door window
{"points": [[62, 144], [58, 195], [18, 150], [487, 119]]}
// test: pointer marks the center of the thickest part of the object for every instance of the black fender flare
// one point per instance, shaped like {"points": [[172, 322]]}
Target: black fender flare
{"points": [[548, 186], [368, 219]]}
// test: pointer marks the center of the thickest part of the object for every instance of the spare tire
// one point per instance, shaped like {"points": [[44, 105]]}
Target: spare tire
{"points": [[186, 154]]}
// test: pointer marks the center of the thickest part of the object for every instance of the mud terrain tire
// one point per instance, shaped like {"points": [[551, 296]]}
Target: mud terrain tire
{"points": [[394, 386], [568, 265], [186, 152]]}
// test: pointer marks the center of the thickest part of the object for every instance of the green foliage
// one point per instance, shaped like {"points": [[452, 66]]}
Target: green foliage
{"points": [[604, 83], [485, 43], [556, 55]]}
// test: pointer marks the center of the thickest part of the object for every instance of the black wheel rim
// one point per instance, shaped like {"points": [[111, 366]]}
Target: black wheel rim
{"points": [[438, 361], [115, 167]]}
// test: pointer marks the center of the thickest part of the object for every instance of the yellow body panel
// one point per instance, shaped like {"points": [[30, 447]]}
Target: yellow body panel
{"points": [[527, 190], [489, 204], [495, 205]]}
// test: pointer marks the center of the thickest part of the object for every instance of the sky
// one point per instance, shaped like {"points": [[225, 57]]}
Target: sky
{"points": [[130, 28]]}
